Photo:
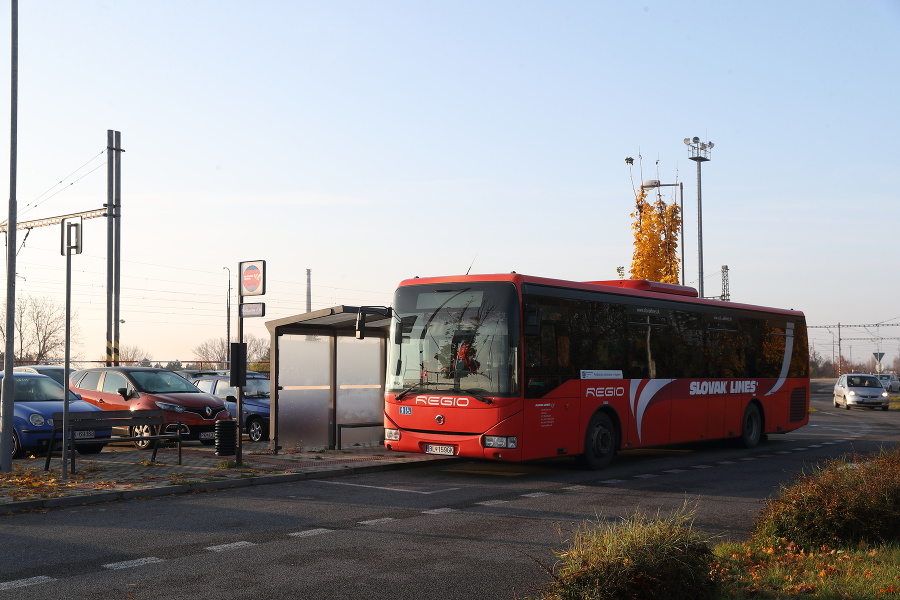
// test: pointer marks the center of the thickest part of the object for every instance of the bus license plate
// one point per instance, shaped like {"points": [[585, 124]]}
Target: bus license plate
{"points": [[434, 449], [84, 435], [207, 435]]}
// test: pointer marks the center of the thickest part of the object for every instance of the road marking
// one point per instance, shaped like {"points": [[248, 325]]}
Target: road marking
{"points": [[701, 467], [377, 521], [726, 462], [535, 495], [127, 564], [232, 546], [675, 471], [575, 488], [748, 458], [389, 489], [645, 476], [438, 511], [309, 532], [10, 585], [474, 472], [609, 481], [491, 502]]}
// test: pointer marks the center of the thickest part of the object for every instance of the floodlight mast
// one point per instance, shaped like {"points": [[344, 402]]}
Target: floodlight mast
{"points": [[699, 152]]}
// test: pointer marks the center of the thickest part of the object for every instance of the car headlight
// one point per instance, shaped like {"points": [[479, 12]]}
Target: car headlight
{"points": [[36, 419], [169, 406], [884, 393], [851, 393]]}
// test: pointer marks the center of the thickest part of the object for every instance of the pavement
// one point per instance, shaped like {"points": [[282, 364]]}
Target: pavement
{"points": [[123, 472]]}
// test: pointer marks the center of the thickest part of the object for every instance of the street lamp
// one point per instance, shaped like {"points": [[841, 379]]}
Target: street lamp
{"points": [[653, 183], [699, 153], [228, 320]]}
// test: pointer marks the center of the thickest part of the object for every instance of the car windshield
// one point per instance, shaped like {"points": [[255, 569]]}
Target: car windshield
{"points": [[162, 382], [39, 389], [863, 381]]}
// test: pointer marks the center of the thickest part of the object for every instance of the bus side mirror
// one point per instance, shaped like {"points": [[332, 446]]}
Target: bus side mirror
{"points": [[532, 321], [384, 311]]}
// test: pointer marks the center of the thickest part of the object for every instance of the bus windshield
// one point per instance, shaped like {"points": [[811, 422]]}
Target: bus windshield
{"points": [[458, 338]]}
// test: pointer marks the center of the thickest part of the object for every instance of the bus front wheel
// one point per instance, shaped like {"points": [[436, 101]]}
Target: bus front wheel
{"points": [[751, 427], [599, 442]]}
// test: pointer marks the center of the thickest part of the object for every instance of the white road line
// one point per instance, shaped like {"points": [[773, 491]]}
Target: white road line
{"points": [[610, 481], [309, 532], [10, 585], [675, 471], [645, 476], [438, 511], [535, 495], [127, 564], [491, 502], [232, 546], [377, 521], [575, 488], [701, 466], [389, 489], [748, 458]]}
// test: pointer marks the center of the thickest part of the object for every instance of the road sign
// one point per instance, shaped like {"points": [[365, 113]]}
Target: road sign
{"points": [[255, 309], [878, 356], [253, 278]]}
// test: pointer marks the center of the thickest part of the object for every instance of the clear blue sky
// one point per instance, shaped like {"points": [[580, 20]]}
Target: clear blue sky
{"points": [[375, 141]]}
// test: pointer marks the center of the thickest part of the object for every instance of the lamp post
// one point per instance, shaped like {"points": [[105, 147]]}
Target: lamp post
{"points": [[228, 320], [699, 153], [653, 183]]}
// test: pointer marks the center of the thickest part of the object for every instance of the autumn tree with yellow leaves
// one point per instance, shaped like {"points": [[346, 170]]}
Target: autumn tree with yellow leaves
{"points": [[656, 226]]}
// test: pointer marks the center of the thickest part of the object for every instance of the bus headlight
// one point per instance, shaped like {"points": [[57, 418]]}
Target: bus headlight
{"points": [[392, 435], [500, 441]]}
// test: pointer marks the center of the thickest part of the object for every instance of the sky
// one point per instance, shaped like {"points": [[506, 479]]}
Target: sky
{"points": [[373, 141]]}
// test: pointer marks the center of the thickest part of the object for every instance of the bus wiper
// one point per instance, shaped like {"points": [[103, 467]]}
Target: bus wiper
{"points": [[473, 394], [399, 397]]}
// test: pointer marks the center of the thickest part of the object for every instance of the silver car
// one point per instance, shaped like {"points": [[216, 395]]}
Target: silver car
{"points": [[890, 382], [864, 391]]}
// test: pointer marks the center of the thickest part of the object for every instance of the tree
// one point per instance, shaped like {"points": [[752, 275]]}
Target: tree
{"points": [[216, 349], [40, 329], [656, 227]]}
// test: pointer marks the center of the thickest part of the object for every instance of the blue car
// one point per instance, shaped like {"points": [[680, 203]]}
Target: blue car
{"points": [[255, 404], [37, 397]]}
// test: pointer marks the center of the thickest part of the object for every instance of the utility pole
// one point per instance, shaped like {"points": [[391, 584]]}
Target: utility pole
{"points": [[113, 243], [309, 290], [7, 397]]}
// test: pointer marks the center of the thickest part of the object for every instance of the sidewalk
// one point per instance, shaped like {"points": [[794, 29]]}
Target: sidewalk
{"points": [[122, 472]]}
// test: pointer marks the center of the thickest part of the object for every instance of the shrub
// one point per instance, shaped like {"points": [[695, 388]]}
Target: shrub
{"points": [[845, 502], [636, 558]]}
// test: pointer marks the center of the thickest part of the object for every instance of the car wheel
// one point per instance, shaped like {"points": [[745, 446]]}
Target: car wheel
{"points": [[599, 442], [255, 430], [751, 427], [91, 448], [885, 407], [846, 404], [836, 403], [17, 447], [207, 442], [141, 431]]}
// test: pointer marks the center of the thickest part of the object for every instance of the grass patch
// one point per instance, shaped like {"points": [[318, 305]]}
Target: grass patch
{"points": [[834, 533]]}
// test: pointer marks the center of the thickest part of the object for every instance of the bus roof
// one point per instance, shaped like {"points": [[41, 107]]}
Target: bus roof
{"points": [[624, 287]]}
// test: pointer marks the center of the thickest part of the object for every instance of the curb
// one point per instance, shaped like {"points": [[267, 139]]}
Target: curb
{"points": [[207, 486]]}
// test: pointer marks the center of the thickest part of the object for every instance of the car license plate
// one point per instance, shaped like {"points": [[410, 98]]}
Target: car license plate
{"points": [[84, 435], [435, 449], [207, 435]]}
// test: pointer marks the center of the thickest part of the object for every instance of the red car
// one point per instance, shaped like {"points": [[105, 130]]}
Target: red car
{"points": [[145, 388]]}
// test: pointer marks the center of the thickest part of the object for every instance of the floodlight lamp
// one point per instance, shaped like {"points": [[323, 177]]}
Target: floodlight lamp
{"points": [[696, 139], [629, 161], [649, 184], [710, 144], [687, 141], [702, 146]]}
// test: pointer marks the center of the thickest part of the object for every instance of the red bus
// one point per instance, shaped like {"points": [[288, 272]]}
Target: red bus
{"points": [[512, 367]]}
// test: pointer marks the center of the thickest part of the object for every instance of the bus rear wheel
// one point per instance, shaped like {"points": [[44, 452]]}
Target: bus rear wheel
{"points": [[751, 427], [599, 442]]}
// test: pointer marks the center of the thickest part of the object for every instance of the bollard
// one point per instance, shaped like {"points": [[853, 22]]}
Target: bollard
{"points": [[226, 438]]}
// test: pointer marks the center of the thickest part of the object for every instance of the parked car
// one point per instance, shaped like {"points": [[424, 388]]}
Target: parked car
{"points": [[37, 397], [55, 372], [255, 405], [890, 382], [184, 406], [191, 373], [865, 391]]}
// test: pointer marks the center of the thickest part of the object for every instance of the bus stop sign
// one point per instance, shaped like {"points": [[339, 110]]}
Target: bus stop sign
{"points": [[253, 278]]}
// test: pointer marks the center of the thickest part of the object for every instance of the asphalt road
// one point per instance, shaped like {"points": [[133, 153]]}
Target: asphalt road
{"points": [[454, 530]]}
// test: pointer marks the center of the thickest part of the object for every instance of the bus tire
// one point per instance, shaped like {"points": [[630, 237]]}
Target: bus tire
{"points": [[751, 427], [599, 442]]}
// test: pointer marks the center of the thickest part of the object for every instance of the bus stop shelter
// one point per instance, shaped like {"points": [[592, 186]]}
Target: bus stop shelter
{"points": [[327, 385]]}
